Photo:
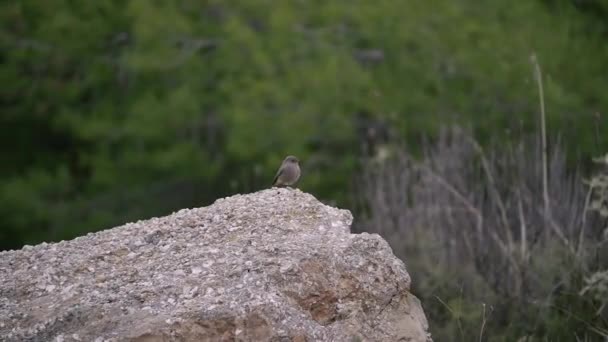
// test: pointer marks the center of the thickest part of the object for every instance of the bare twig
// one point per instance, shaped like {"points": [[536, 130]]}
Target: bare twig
{"points": [[472, 209], [483, 321], [543, 133], [475, 211], [494, 191], [453, 315], [523, 229], [581, 235]]}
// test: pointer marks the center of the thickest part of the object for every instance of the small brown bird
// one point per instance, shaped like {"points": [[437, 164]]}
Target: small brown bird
{"points": [[288, 173]]}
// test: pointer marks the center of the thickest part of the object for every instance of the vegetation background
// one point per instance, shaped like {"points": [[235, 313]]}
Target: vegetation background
{"points": [[113, 111]]}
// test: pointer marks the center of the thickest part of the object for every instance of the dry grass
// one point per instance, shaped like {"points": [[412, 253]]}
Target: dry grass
{"points": [[507, 223]]}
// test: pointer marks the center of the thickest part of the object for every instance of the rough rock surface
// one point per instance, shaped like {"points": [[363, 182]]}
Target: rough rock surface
{"points": [[276, 265]]}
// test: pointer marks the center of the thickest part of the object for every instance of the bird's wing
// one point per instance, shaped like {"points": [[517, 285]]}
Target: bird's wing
{"points": [[274, 181]]}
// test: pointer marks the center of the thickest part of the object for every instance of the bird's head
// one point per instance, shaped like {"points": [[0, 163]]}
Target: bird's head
{"points": [[291, 159]]}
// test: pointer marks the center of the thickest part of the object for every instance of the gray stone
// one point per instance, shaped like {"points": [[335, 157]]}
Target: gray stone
{"points": [[276, 265]]}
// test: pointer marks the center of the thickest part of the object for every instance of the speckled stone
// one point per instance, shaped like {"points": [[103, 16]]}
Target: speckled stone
{"points": [[275, 265]]}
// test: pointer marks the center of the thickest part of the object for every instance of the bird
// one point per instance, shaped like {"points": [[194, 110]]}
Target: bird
{"points": [[288, 173]]}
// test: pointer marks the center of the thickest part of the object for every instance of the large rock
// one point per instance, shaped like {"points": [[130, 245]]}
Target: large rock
{"points": [[276, 265]]}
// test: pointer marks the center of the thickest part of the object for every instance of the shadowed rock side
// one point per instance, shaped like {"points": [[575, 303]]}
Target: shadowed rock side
{"points": [[276, 265]]}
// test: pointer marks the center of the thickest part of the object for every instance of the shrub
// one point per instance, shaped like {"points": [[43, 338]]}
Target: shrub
{"points": [[596, 285], [488, 243]]}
